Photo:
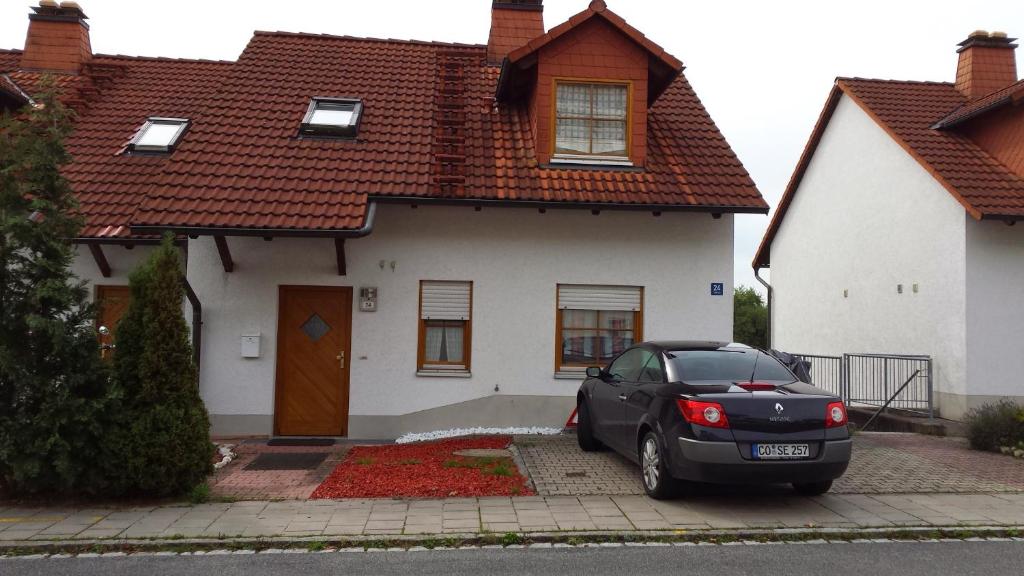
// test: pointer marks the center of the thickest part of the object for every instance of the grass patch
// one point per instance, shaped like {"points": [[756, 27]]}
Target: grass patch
{"points": [[316, 546], [365, 461], [199, 493], [478, 463], [510, 538], [500, 469]]}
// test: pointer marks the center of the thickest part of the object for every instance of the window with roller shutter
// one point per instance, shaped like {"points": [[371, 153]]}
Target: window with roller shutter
{"points": [[595, 324], [445, 326]]}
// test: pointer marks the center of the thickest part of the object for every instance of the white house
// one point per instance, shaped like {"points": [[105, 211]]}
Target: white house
{"points": [[389, 236], [897, 232]]}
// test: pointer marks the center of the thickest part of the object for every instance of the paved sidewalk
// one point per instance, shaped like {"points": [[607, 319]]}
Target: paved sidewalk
{"points": [[521, 514], [883, 463]]}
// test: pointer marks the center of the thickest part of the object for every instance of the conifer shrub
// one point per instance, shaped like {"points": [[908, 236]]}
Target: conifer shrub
{"points": [[161, 444], [55, 393]]}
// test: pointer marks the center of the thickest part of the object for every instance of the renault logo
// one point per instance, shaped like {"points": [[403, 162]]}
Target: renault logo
{"points": [[778, 408]]}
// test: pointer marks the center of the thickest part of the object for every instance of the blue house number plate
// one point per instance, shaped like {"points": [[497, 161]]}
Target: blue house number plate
{"points": [[717, 288]]}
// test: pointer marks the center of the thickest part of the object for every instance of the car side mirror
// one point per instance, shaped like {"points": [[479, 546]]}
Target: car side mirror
{"points": [[593, 372]]}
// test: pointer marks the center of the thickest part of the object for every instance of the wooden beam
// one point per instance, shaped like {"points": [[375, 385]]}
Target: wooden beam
{"points": [[339, 248], [225, 253], [101, 259]]}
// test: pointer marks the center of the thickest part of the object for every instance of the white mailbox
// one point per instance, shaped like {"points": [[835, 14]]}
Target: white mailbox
{"points": [[251, 345]]}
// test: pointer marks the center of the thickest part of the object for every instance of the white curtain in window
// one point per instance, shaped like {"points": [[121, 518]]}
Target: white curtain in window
{"points": [[573, 99], [609, 101], [434, 338], [453, 343]]}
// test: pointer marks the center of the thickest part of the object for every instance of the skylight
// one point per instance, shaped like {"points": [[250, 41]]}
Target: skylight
{"points": [[332, 117], [158, 135]]}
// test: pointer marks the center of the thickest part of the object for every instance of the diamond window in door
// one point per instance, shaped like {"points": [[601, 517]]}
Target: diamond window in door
{"points": [[315, 327]]}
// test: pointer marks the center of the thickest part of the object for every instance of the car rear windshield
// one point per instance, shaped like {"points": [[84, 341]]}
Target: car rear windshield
{"points": [[728, 365]]}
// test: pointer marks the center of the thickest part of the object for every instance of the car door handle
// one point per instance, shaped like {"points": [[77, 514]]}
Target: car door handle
{"points": [[622, 397]]}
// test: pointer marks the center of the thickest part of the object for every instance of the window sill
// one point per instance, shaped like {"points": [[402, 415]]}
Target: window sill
{"points": [[444, 373], [570, 374], [616, 161]]}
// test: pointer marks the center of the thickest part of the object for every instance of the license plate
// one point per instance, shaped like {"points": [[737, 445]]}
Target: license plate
{"points": [[780, 451]]}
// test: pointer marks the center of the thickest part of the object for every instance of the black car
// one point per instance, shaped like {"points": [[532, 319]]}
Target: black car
{"points": [[713, 412]]}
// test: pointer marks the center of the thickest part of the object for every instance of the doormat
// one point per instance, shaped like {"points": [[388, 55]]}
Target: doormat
{"points": [[287, 461], [301, 442]]}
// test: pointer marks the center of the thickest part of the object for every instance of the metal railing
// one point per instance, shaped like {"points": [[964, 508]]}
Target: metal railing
{"points": [[884, 380], [827, 372]]}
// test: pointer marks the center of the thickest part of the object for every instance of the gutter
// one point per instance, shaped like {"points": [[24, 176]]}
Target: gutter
{"points": [[428, 201], [768, 324], [197, 321]]}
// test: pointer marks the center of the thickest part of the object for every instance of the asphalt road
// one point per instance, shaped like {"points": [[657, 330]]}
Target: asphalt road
{"points": [[912, 558]]}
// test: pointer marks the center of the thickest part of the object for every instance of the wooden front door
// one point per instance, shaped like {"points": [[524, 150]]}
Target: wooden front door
{"points": [[313, 354], [112, 302]]}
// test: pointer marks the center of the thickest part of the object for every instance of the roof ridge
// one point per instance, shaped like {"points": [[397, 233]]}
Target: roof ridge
{"points": [[164, 59], [12, 50], [366, 39], [893, 81]]}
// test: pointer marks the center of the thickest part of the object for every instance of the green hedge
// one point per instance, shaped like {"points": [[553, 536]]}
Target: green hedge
{"points": [[994, 425]]}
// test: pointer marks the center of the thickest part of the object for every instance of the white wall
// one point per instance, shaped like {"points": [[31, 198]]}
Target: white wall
{"points": [[122, 262], [866, 218], [995, 309], [515, 258]]}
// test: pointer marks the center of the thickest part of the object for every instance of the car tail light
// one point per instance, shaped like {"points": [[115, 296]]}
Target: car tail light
{"points": [[708, 414], [835, 415], [757, 386]]}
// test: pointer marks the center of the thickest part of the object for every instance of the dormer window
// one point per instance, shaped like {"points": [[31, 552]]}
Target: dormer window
{"points": [[158, 135], [591, 122], [332, 117]]}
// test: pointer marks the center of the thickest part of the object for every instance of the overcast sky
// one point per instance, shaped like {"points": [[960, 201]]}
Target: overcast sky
{"points": [[762, 68]]}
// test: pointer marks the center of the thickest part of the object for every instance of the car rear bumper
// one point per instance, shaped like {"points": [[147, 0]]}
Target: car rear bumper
{"points": [[722, 462]]}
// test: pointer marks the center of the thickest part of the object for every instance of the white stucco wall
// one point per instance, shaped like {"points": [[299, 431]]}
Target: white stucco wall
{"points": [[515, 258], [122, 262], [866, 218], [995, 310]]}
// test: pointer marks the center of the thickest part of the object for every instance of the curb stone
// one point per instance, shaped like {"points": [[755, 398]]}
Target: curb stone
{"points": [[299, 545]]}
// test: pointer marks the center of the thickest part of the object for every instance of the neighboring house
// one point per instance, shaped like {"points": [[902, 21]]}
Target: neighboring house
{"points": [[898, 230], [390, 236]]}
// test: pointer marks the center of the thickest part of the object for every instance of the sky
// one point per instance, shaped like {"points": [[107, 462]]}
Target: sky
{"points": [[762, 68]]}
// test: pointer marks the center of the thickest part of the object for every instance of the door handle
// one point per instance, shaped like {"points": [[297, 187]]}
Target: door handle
{"points": [[341, 359], [622, 397]]}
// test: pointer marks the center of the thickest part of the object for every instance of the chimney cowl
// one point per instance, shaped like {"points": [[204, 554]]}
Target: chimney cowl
{"points": [[988, 40]]}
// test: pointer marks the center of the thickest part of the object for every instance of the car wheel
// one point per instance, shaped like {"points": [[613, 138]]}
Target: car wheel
{"points": [[812, 488], [654, 469], [585, 429]]}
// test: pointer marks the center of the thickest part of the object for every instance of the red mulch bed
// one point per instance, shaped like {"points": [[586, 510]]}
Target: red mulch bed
{"points": [[423, 470]]}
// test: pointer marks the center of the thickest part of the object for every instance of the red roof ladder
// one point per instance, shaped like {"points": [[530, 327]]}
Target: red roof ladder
{"points": [[453, 64]]}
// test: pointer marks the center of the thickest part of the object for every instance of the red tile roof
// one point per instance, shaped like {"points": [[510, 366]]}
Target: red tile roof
{"points": [[242, 165], [112, 98], [973, 108], [908, 111]]}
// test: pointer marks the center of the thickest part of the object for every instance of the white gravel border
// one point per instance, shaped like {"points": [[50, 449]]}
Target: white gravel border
{"points": [[455, 432]]}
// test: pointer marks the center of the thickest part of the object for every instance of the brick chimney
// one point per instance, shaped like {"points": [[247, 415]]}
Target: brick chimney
{"points": [[513, 24], [58, 38], [987, 63]]}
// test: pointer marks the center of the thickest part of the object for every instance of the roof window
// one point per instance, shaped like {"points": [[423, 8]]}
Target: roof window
{"points": [[332, 117], [158, 135]]}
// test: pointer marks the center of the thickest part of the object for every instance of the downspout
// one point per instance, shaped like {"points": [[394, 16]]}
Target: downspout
{"points": [[768, 323], [197, 320]]}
